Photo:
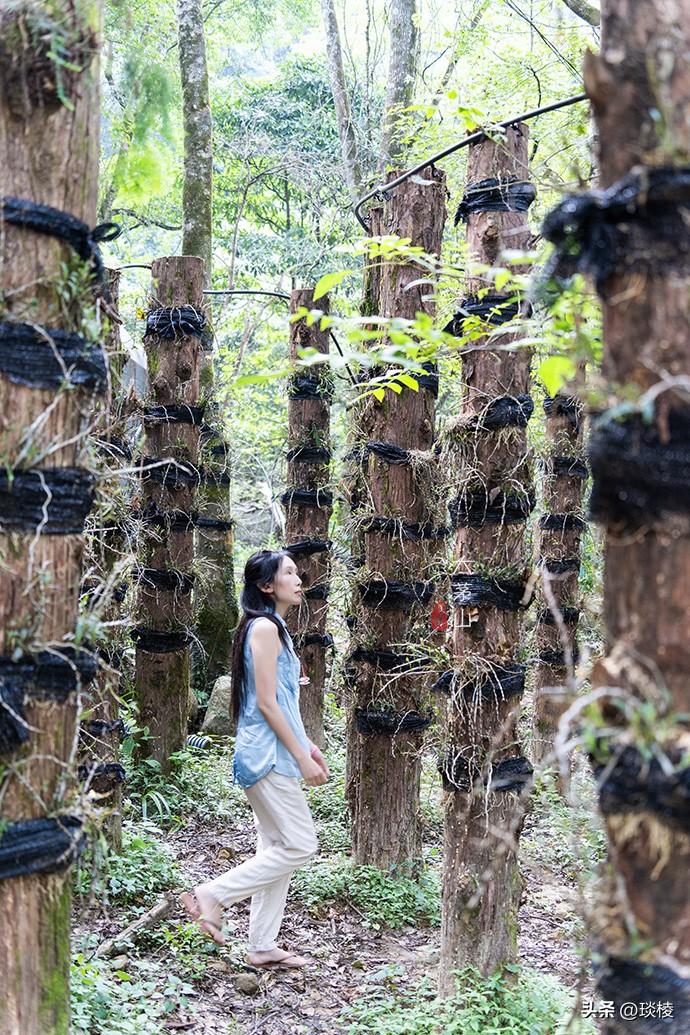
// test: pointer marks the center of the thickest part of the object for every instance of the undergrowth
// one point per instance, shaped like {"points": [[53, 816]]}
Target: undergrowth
{"points": [[199, 785], [135, 1001], [146, 865], [516, 1003], [382, 900]]}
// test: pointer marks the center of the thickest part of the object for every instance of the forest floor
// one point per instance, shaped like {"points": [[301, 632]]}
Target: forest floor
{"points": [[375, 941]]}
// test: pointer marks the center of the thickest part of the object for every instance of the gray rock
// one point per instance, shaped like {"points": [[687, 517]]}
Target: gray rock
{"points": [[217, 720], [247, 983]]}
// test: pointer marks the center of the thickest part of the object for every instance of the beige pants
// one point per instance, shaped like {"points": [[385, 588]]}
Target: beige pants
{"points": [[286, 840]]}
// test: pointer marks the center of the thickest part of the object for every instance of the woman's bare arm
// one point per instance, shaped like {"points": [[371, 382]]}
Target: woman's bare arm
{"points": [[265, 647]]}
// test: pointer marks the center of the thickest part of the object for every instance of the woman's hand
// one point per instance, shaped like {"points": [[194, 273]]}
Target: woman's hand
{"points": [[319, 759], [312, 773]]}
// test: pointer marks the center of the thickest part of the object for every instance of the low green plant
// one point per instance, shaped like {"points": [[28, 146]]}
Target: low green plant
{"points": [[516, 1002], [383, 899], [327, 806], [117, 1002], [145, 866], [183, 946], [199, 784]]}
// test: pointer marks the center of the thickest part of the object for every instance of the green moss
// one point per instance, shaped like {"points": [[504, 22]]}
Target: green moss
{"points": [[53, 1008]]}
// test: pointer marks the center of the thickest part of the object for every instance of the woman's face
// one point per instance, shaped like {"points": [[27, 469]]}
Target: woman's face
{"points": [[286, 587]]}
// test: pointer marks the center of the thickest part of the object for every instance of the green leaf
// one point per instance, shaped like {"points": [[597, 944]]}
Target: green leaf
{"points": [[329, 281], [555, 371]]}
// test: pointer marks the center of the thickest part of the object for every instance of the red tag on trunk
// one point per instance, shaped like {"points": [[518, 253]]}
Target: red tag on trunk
{"points": [[439, 616]]}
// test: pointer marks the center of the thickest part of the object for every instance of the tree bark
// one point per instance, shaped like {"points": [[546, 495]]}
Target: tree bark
{"points": [[197, 189], [341, 102], [558, 558], [384, 770], [105, 582], [402, 72], [215, 600], [588, 12], [48, 154], [162, 677], [639, 86], [307, 523], [482, 824]]}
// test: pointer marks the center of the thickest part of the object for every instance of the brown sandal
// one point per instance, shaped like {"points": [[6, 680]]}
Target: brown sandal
{"points": [[282, 964], [190, 904]]}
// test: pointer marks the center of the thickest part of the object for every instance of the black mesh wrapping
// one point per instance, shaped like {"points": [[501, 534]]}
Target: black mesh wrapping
{"points": [[391, 595], [40, 846], [377, 723], [507, 194], [301, 386], [388, 660], [307, 547], [49, 675], [564, 406], [169, 580], [54, 222], [316, 593], [307, 498], [314, 639], [387, 452], [560, 565], [173, 474], [404, 530], [508, 774], [502, 682], [569, 616], [474, 510], [102, 777], [170, 322], [101, 727], [622, 981], [308, 454], [174, 414], [632, 783], [48, 357], [482, 591], [638, 224], [567, 467], [493, 310], [561, 523], [13, 727], [57, 500], [638, 477], [156, 641]]}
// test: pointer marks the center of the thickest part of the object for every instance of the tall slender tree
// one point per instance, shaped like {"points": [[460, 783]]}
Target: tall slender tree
{"points": [[171, 476], [197, 189], [308, 501], [395, 440], [639, 87], [483, 768], [49, 136]]}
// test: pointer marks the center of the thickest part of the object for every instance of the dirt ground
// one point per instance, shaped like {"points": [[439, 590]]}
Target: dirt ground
{"points": [[234, 997]]}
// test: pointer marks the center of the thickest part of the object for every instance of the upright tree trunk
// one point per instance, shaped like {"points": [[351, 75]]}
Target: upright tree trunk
{"points": [[402, 71], [558, 557], [215, 602], [308, 500], [106, 576], [640, 91], [341, 102], [197, 189], [173, 350], [483, 768], [49, 156], [396, 583]]}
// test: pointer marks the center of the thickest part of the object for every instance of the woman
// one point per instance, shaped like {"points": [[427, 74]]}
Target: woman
{"points": [[272, 752]]}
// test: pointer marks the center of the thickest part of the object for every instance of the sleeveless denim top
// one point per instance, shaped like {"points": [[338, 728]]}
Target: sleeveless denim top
{"points": [[257, 748]]}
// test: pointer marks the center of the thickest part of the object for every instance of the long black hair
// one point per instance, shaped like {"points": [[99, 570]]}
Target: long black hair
{"points": [[262, 567]]}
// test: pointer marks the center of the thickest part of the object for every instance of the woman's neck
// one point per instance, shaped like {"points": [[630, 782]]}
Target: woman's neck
{"points": [[282, 610]]}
